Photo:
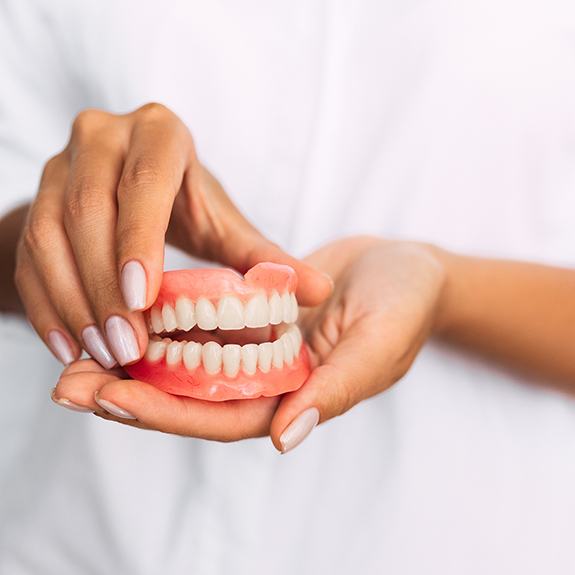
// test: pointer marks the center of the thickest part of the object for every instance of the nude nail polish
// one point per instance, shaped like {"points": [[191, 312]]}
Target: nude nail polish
{"points": [[122, 340], [113, 409], [97, 348], [63, 402], [299, 429], [60, 347], [133, 282]]}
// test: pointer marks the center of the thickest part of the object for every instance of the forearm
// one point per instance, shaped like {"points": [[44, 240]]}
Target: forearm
{"points": [[10, 227], [521, 314]]}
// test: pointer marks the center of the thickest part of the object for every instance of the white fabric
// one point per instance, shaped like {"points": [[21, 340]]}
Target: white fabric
{"points": [[450, 122]]}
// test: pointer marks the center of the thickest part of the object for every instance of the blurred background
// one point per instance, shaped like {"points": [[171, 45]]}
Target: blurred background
{"points": [[446, 122]]}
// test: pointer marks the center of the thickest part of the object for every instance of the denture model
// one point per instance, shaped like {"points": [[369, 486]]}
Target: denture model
{"points": [[218, 335]]}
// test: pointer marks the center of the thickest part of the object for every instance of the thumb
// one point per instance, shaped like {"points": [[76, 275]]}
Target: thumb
{"points": [[353, 371], [314, 286], [212, 227]]}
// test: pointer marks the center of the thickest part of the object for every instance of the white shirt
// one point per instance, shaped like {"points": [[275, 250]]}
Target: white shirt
{"points": [[449, 122]]}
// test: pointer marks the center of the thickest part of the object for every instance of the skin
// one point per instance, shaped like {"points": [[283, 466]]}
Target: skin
{"points": [[122, 187], [97, 209], [399, 293]]}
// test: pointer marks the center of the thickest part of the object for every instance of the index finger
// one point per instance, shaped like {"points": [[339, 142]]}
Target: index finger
{"points": [[160, 151]]}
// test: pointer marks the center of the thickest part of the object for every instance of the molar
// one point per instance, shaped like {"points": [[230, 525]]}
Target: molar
{"points": [[230, 313], [294, 308], [296, 338], [277, 354], [206, 314], [257, 311], [286, 308], [288, 351], [276, 309]]}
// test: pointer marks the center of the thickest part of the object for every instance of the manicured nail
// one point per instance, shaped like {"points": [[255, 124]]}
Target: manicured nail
{"points": [[97, 348], [63, 402], [122, 339], [113, 409], [60, 347], [299, 429], [133, 283]]}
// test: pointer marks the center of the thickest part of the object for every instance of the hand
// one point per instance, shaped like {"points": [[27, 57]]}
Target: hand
{"points": [[90, 257], [386, 299]]}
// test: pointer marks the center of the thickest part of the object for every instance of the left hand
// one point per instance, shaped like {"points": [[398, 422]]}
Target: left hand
{"points": [[363, 339]]}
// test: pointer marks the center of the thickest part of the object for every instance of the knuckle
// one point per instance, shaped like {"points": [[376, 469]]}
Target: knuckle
{"points": [[84, 201], [38, 235], [143, 172], [153, 110], [51, 167], [86, 123]]}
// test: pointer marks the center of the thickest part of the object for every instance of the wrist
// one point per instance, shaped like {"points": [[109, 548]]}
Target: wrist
{"points": [[445, 308]]}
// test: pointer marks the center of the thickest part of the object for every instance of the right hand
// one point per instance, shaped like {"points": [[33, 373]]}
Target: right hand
{"points": [[90, 257]]}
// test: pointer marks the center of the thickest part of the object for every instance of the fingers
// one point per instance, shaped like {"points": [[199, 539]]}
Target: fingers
{"points": [[159, 153], [47, 271], [87, 385], [353, 371], [41, 313], [90, 219]]}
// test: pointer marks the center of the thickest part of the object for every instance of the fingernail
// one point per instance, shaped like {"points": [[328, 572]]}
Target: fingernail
{"points": [[97, 348], [299, 429], [60, 347], [133, 282], [122, 339], [63, 402], [113, 408]]}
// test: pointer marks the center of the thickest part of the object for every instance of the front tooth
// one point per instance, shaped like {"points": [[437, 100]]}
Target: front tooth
{"points": [[230, 313], [155, 351], [206, 314], [185, 314], [231, 354], [294, 308], [169, 317], [276, 309], [278, 354], [192, 355], [286, 308], [156, 319], [174, 353], [249, 358], [212, 357], [287, 346], [265, 354], [257, 311]]}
